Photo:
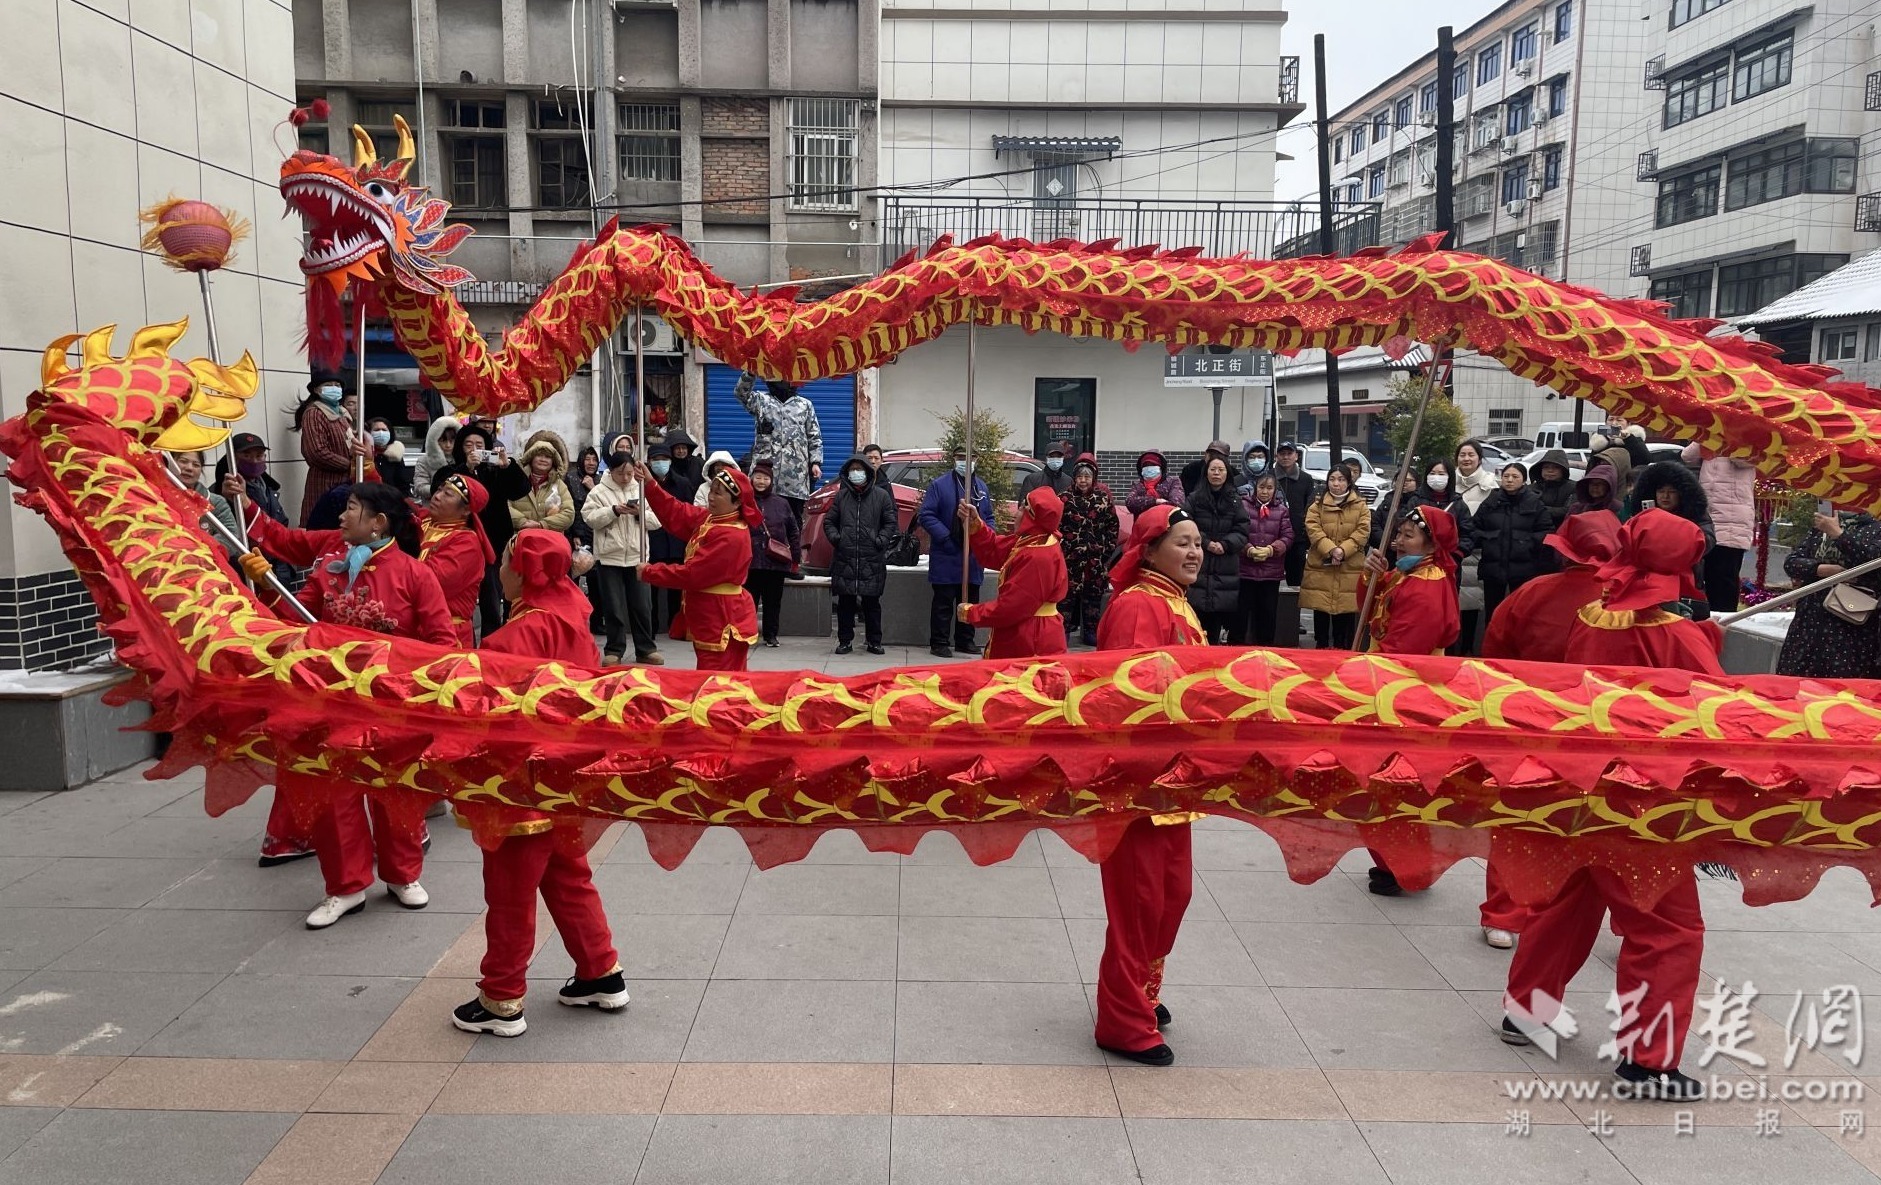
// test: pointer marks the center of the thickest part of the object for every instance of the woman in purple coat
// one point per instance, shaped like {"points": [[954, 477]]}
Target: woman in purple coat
{"points": [[765, 582], [1263, 564]]}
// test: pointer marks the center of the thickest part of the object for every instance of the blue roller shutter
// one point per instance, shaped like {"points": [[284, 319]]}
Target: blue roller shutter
{"points": [[729, 426]]}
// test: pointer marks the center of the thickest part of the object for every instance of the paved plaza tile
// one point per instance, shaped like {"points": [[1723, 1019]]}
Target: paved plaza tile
{"points": [[857, 1017]]}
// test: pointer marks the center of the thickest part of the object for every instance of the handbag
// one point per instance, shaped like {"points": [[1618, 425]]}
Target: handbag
{"points": [[905, 551], [1851, 604], [780, 551]]}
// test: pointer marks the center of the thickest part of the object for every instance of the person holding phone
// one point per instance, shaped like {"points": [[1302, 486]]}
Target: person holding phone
{"points": [[476, 453], [623, 527], [1822, 644]]}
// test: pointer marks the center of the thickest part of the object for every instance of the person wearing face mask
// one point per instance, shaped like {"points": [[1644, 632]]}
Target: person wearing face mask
{"points": [[796, 438], [259, 487], [366, 575], [1414, 610], [861, 525], [440, 439], [716, 612], [1148, 878], [1054, 477], [388, 456], [1255, 464], [327, 441], [665, 547], [616, 512], [939, 516], [1154, 485], [1023, 614], [1089, 529]]}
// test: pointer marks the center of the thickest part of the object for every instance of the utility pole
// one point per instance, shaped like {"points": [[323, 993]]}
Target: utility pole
{"points": [[1334, 432], [1446, 170]]}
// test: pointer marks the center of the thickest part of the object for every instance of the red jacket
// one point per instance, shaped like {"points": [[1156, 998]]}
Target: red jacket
{"points": [[1414, 612], [1023, 615], [394, 594], [454, 553], [1533, 622], [1646, 638], [1151, 613], [716, 609]]}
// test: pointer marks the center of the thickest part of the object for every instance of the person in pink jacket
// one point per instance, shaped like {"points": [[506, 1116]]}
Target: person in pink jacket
{"points": [[1731, 487]]}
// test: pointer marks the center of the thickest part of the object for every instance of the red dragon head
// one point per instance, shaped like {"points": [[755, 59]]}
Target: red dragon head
{"points": [[365, 220]]}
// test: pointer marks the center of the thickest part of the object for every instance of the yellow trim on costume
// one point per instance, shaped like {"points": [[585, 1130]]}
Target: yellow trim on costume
{"points": [[1599, 617], [723, 590], [1046, 610]]}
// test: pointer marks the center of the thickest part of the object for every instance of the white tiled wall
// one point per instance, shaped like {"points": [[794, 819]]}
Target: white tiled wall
{"points": [[109, 106]]}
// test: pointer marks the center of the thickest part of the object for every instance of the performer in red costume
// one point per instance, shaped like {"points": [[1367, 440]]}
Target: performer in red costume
{"points": [[718, 613], [1532, 625], [366, 574], [1657, 975], [526, 852], [452, 544], [1415, 609], [1149, 877], [1024, 616]]}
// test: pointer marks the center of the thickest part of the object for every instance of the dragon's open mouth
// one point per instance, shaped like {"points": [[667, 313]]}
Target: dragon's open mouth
{"points": [[343, 228]]}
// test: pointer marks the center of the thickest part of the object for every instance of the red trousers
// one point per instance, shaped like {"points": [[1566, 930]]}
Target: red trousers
{"points": [[283, 834], [732, 658], [1147, 884], [1500, 911], [512, 875], [1660, 950], [346, 843]]}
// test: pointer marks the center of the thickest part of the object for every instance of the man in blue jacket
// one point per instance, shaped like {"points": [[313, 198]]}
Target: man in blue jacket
{"points": [[939, 518]]}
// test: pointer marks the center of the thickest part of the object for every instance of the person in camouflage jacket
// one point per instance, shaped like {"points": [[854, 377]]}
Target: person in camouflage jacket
{"points": [[795, 450], [1089, 534]]}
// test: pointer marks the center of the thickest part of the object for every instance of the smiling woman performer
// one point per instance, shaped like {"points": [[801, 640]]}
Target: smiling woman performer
{"points": [[1149, 877]]}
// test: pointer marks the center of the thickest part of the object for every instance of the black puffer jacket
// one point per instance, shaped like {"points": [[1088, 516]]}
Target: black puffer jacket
{"points": [[1222, 517], [1509, 529], [861, 526], [1693, 505]]}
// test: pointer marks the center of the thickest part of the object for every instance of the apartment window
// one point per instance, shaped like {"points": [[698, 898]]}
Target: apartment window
{"points": [[1689, 294], [1557, 96], [1460, 81], [1685, 10], [1543, 242], [649, 141], [1522, 44], [1375, 181], [823, 154], [1830, 166], [1747, 287], [1763, 66], [1354, 193], [1489, 65], [486, 114], [1479, 195], [1564, 21], [1766, 176], [1839, 345], [1551, 167], [1427, 157], [1381, 127], [1688, 197], [1427, 98], [1515, 182], [1873, 352], [1358, 139], [1401, 114], [1400, 170], [1696, 93], [561, 158], [478, 176], [1338, 149], [1485, 130], [1518, 114], [1505, 421]]}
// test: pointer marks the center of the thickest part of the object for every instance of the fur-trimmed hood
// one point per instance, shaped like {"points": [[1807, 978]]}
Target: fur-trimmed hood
{"points": [[434, 440], [554, 445]]}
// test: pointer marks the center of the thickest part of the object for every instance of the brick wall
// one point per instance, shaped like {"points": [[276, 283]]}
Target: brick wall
{"points": [[47, 623], [735, 168], [735, 117]]}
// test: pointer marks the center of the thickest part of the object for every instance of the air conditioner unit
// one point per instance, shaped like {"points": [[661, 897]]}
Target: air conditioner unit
{"points": [[656, 336], [1511, 145], [1525, 69], [1516, 208], [1427, 119], [1427, 180], [1542, 117]]}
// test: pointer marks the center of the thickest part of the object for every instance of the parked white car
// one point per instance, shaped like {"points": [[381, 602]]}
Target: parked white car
{"points": [[1316, 458]]}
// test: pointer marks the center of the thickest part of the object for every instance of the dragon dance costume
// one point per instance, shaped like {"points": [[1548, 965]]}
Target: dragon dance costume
{"points": [[459, 553], [1024, 615], [716, 612]]}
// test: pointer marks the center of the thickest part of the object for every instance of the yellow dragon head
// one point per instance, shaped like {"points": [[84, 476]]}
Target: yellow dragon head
{"points": [[148, 394]]}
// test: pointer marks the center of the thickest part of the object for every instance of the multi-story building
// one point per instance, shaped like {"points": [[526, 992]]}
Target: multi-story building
{"points": [[1539, 170], [1135, 122], [749, 125], [1764, 130], [1834, 321]]}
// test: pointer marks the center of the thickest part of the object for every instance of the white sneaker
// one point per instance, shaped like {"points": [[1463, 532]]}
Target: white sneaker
{"points": [[1500, 939], [412, 896], [333, 909]]}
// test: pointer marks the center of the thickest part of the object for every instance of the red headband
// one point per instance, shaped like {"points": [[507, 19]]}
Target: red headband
{"points": [[738, 485], [1150, 526], [477, 498]]}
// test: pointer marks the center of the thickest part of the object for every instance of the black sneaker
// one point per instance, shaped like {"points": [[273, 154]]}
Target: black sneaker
{"points": [[1384, 884], [608, 993], [844, 648], [875, 648], [1162, 1016], [771, 642], [473, 1017], [1512, 1033], [1155, 1055], [1666, 1086], [941, 651], [969, 651]]}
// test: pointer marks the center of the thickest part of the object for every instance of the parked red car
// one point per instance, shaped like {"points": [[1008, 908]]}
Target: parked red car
{"points": [[908, 472]]}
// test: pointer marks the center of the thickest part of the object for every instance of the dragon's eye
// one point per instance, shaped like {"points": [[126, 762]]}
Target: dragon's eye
{"points": [[379, 190]]}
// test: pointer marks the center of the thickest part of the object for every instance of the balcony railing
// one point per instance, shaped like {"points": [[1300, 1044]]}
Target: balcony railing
{"points": [[1290, 79], [1264, 230]]}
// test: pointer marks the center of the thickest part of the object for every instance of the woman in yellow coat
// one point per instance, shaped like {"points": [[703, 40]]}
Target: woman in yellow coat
{"points": [[1337, 525]]}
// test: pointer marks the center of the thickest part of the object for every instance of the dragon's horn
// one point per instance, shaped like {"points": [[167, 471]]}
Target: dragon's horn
{"points": [[153, 340], [406, 150], [96, 347], [363, 151], [52, 366]]}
